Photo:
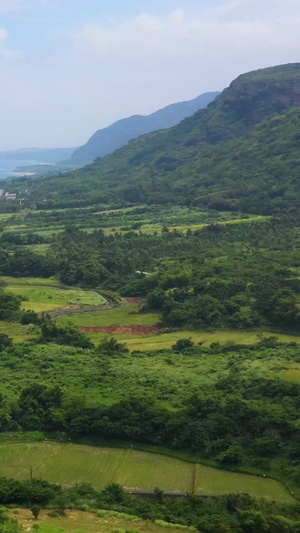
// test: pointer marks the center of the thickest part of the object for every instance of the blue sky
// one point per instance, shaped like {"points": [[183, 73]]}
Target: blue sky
{"points": [[70, 67]]}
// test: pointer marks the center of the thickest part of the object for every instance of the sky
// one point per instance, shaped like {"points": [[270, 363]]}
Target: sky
{"points": [[70, 67]]}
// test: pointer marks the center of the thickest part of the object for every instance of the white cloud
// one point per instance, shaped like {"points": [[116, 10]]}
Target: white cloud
{"points": [[7, 53], [17, 6], [238, 25], [113, 68], [7, 6]]}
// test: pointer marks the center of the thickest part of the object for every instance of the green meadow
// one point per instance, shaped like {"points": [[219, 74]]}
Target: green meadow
{"points": [[68, 464], [166, 340], [126, 315], [42, 299], [17, 332]]}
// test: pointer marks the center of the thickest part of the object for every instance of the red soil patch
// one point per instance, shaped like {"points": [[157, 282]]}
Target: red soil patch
{"points": [[119, 330]]}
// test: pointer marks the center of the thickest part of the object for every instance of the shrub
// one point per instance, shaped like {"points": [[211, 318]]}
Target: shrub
{"points": [[182, 345], [162, 523]]}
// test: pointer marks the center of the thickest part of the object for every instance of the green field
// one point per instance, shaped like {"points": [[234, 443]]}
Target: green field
{"points": [[126, 315], [129, 316], [68, 464], [41, 298], [150, 227], [41, 249], [9, 280], [16, 331], [293, 374], [166, 340], [83, 521], [149, 220]]}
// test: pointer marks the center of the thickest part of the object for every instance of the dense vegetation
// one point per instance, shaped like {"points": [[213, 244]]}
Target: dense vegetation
{"points": [[228, 514], [234, 405], [238, 275], [238, 415], [231, 156]]}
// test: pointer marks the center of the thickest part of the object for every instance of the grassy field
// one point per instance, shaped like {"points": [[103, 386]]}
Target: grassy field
{"points": [[44, 232], [127, 315], [293, 374], [162, 340], [148, 219], [16, 331], [121, 210], [41, 298], [9, 280], [166, 340], [151, 227], [76, 521], [225, 482], [40, 249], [68, 464]]}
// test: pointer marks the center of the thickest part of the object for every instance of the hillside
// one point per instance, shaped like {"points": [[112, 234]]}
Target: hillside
{"points": [[230, 156], [106, 140]]}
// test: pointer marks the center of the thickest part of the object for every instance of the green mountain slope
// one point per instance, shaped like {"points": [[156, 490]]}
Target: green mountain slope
{"points": [[108, 139], [239, 153]]}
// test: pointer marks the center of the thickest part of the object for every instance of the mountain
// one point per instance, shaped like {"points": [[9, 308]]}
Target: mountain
{"points": [[241, 153], [108, 139], [41, 155]]}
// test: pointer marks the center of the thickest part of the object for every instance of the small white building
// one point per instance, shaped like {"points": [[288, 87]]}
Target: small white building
{"points": [[10, 196]]}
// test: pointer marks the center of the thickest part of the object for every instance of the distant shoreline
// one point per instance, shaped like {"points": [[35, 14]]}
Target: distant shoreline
{"points": [[20, 173]]}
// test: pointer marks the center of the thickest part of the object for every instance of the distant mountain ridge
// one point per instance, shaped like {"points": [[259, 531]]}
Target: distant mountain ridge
{"points": [[42, 155], [239, 154], [107, 140]]}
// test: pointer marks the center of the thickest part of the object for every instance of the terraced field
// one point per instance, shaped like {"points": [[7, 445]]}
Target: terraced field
{"points": [[135, 470], [44, 298]]}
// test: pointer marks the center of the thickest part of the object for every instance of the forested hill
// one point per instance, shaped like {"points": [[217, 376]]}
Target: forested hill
{"points": [[241, 153], [108, 139]]}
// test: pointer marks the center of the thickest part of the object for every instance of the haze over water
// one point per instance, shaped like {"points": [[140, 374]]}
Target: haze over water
{"points": [[8, 167]]}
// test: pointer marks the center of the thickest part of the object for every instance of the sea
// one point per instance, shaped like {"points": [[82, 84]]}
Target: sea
{"points": [[8, 167]]}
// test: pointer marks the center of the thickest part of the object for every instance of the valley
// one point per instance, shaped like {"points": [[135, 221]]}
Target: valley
{"points": [[150, 325]]}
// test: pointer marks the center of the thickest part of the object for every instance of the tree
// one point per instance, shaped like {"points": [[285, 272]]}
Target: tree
{"points": [[35, 509], [253, 522], [30, 317], [159, 494], [112, 346], [114, 493], [69, 335], [182, 345], [5, 341]]}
